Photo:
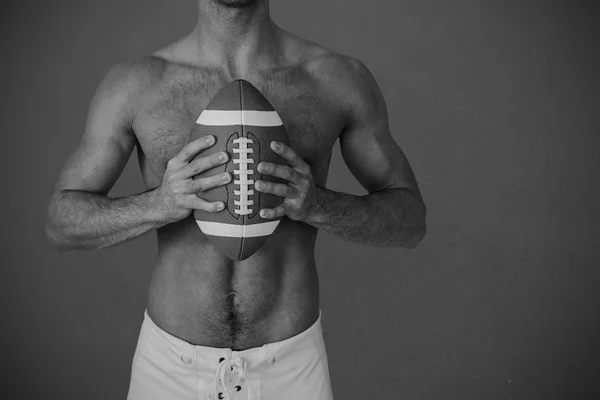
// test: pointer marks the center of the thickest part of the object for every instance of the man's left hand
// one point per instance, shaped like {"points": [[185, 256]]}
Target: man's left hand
{"points": [[298, 193]]}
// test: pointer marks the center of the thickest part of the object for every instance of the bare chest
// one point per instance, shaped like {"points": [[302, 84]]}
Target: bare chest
{"points": [[169, 111]]}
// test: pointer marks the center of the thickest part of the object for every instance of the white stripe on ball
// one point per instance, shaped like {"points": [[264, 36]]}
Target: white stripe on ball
{"points": [[239, 117], [237, 231]]}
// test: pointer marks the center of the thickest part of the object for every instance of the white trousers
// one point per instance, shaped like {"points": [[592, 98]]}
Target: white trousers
{"points": [[165, 367]]}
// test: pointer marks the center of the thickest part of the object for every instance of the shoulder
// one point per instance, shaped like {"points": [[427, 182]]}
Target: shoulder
{"points": [[131, 77], [324, 64], [124, 86], [329, 65], [345, 76], [349, 83]]}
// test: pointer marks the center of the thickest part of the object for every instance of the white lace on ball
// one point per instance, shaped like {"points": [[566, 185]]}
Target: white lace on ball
{"points": [[245, 184]]}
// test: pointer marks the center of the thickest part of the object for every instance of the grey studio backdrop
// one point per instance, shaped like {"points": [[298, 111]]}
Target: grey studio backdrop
{"points": [[495, 104]]}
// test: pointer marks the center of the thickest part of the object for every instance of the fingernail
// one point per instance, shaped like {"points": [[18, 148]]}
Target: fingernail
{"points": [[263, 167], [225, 178], [275, 144], [220, 206], [222, 157], [259, 185], [209, 139]]}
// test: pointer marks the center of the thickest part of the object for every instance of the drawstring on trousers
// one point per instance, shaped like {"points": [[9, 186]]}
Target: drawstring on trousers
{"points": [[236, 365]]}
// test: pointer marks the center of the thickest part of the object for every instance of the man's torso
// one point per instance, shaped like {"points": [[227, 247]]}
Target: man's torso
{"points": [[196, 293]]}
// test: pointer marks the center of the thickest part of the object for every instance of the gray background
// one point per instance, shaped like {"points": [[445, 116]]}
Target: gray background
{"points": [[495, 104]]}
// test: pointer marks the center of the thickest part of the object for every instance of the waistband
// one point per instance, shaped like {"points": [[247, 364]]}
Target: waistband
{"points": [[312, 337]]}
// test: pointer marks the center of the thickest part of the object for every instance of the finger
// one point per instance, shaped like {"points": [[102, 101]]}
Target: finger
{"points": [[278, 189], [203, 184], [190, 150], [202, 164], [194, 202], [280, 171], [276, 212], [290, 155]]}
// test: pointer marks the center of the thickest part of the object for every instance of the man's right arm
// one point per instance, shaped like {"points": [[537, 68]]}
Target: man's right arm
{"points": [[81, 215]]}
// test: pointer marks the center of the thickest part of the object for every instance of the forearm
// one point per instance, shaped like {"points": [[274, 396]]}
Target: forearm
{"points": [[81, 220], [393, 217]]}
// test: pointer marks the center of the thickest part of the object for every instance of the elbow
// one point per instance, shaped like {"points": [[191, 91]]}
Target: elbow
{"points": [[419, 228], [57, 239], [55, 235], [416, 237]]}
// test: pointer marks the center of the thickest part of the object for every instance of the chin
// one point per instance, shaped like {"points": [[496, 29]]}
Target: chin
{"points": [[235, 3]]}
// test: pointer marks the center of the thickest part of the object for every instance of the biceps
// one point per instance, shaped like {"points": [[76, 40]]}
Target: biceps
{"points": [[103, 151], [95, 165], [107, 141], [376, 160], [367, 146]]}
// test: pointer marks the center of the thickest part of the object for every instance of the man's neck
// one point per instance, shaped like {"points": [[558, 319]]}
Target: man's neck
{"points": [[235, 37]]}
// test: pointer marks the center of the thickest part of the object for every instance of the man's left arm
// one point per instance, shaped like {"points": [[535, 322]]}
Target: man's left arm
{"points": [[392, 213]]}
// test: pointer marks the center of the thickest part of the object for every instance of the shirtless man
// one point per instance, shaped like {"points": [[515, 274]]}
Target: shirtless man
{"points": [[213, 327]]}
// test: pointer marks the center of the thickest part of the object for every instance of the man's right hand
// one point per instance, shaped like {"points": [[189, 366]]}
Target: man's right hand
{"points": [[177, 196]]}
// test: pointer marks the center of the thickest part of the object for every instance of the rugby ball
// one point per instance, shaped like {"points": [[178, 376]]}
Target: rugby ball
{"points": [[243, 123]]}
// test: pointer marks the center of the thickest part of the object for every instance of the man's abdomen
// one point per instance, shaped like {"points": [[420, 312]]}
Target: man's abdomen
{"points": [[202, 297]]}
